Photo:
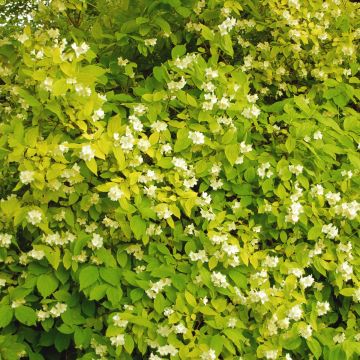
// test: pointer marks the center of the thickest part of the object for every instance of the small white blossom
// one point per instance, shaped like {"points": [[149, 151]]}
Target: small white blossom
{"points": [[296, 169], [26, 177], [5, 240], [122, 62], [197, 137], [34, 217], [87, 153], [305, 331], [97, 241], [322, 308], [150, 42], [208, 355], [339, 338], [115, 193], [295, 313], [118, 340], [318, 135], [219, 279], [306, 281], [81, 49]]}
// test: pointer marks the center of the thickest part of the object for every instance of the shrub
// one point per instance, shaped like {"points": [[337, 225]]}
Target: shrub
{"points": [[179, 180]]}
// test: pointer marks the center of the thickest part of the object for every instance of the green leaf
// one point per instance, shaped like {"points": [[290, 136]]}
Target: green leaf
{"points": [[129, 344], [314, 346], [347, 291], [138, 226], [31, 100], [46, 284], [60, 87], [110, 275], [98, 292], [314, 232], [26, 315], [159, 303], [6, 315], [92, 165], [232, 152], [178, 51], [190, 298], [88, 275], [114, 295]]}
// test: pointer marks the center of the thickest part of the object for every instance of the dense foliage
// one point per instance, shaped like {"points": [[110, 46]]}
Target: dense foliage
{"points": [[179, 180]]}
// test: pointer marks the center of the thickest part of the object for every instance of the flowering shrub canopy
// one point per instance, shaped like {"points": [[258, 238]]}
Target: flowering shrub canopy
{"points": [[179, 180]]}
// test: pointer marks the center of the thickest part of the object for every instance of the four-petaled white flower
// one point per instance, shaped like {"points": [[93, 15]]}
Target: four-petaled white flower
{"points": [[115, 193]]}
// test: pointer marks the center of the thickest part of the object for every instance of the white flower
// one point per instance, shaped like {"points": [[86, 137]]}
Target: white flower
{"points": [[232, 322], [346, 270], [58, 309], [251, 112], [197, 137], [271, 354], [330, 230], [271, 261], [219, 279], [179, 163], [317, 190], [26, 177], [211, 74], [179, 328], [150, 191], [118, 340], [87, 153], [356, 295], [295, 313], [322, 308], [42, 315], [48, 83], [166, 149], [36, 254], [97, 241], [244, 148], [98, 114], [305, 331], [154, 357], [122, 62], [63, 147], [22, 38], [157, 287], [199, 256], [306, 281], [150, 42], [296, 169], [168, 311], [34, 217], [176, 85], [224, 103], [227, 25], [339, 338], [258, 296], [159, 126], [144, 145], [208, 355], [167, 350], [5, 240], [81, 49], [115, 193], [332, 198], [318, 135]]}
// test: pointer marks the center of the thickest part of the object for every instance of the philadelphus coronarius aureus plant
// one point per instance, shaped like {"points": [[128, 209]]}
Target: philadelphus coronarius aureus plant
{"points": [[179, 180]]}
